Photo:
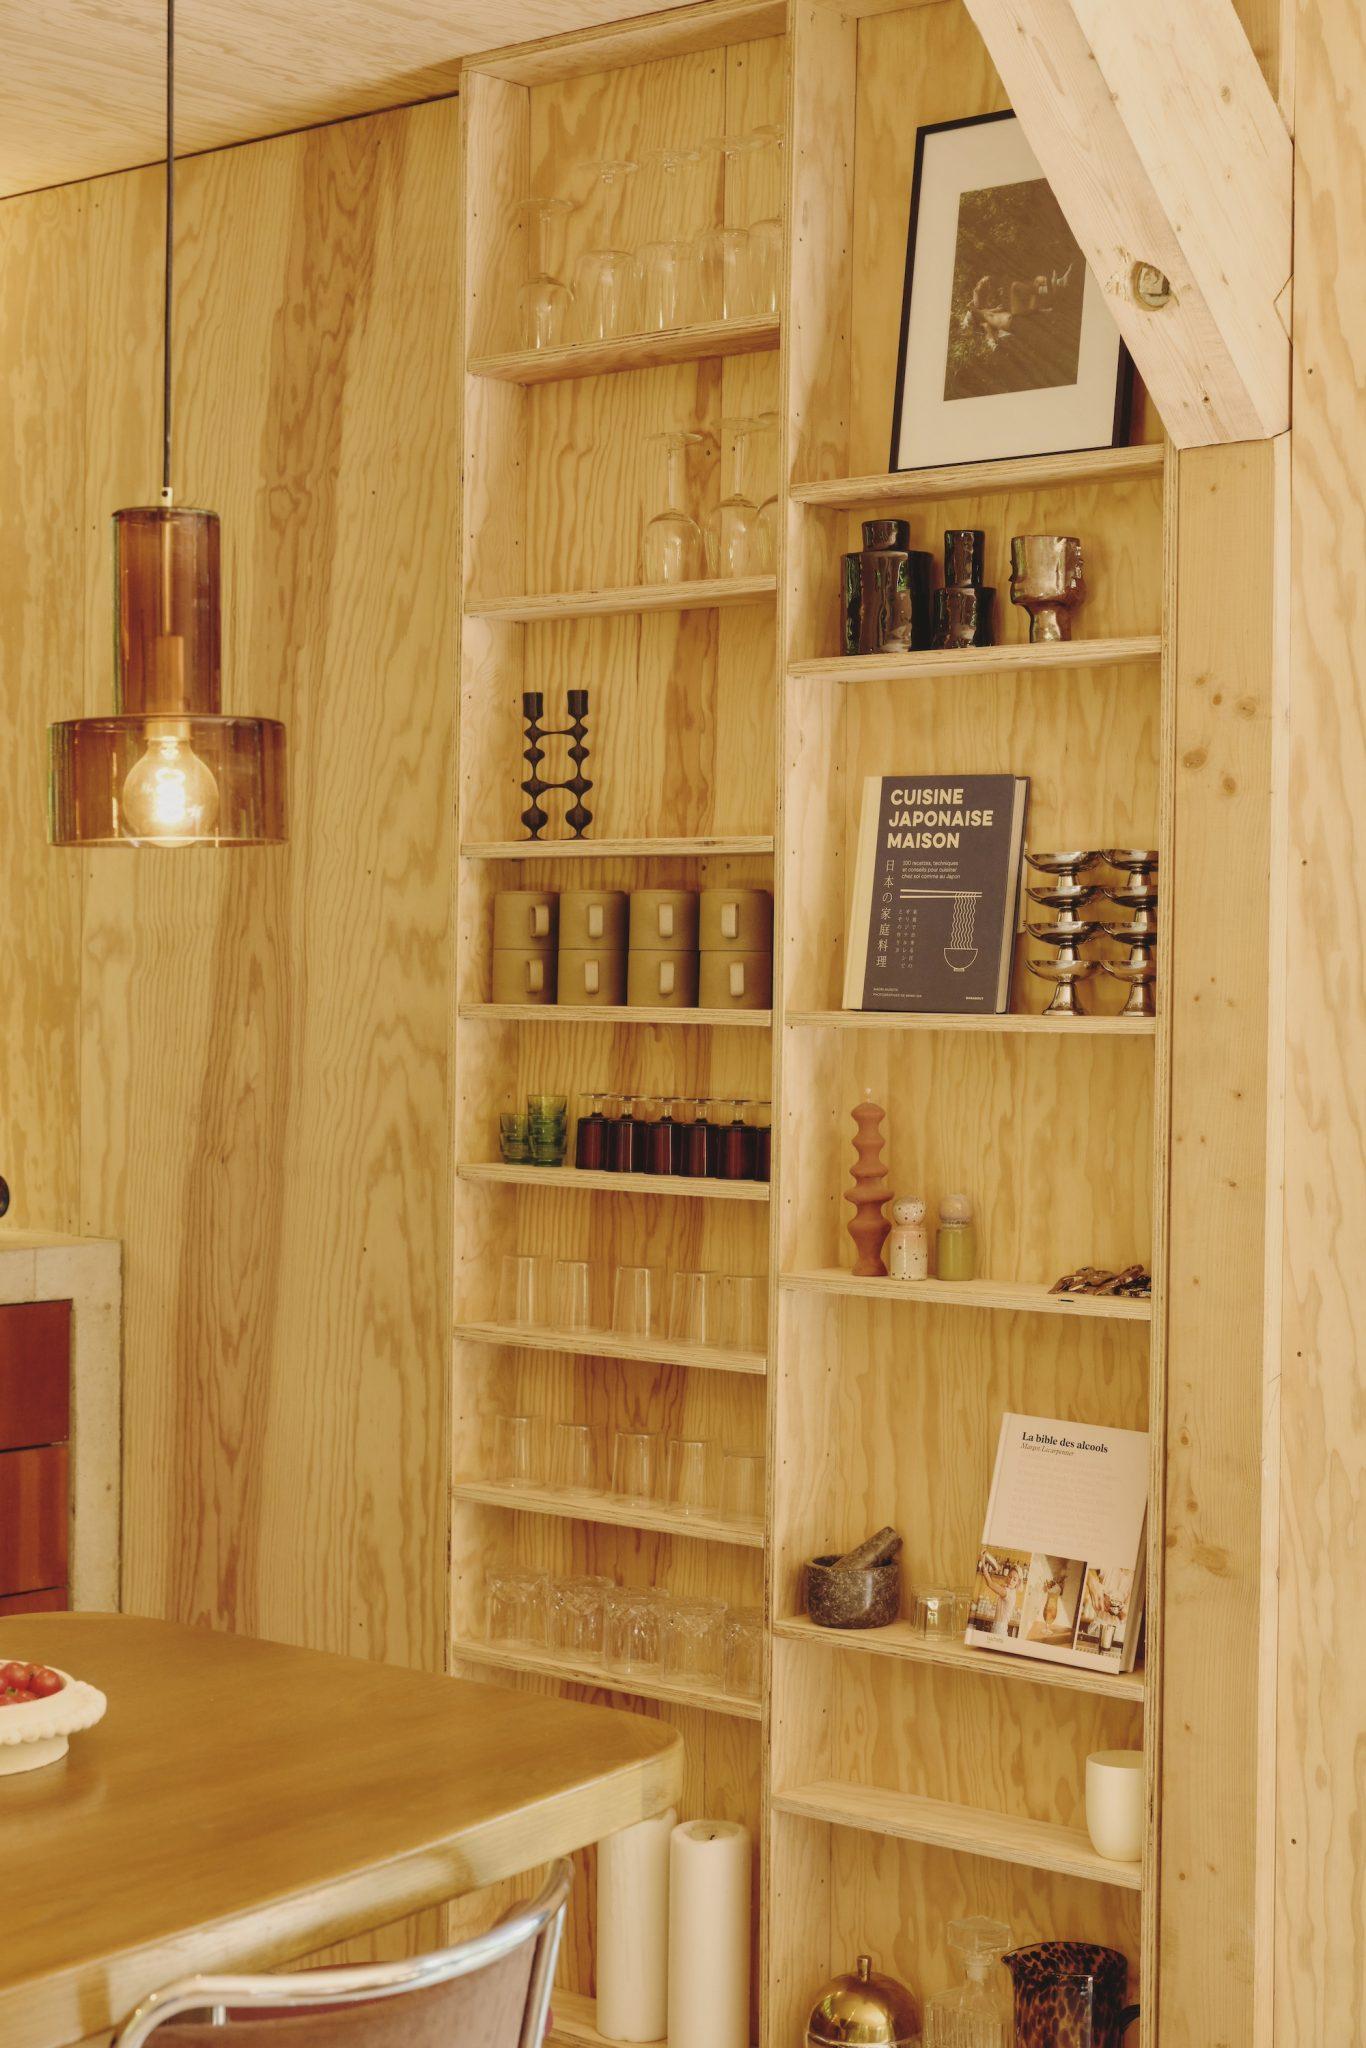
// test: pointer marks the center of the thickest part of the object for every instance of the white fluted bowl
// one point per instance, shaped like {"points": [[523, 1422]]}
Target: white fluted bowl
{"points": [[36, 1732]]}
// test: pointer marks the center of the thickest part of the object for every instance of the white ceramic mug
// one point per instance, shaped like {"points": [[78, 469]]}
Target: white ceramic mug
{"points": [[1114, 1803]]}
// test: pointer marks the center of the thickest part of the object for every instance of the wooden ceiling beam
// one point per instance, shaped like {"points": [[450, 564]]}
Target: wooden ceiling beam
{"points": [[1165, 148]]}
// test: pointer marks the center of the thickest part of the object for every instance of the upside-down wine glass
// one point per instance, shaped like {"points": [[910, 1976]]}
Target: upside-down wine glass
{"points": [[672, 549], [737, 544], [545, 301], [605, 277], [666, 261]]}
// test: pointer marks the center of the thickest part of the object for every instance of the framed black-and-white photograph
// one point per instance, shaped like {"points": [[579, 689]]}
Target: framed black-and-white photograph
{"points": [[1007, 345]]}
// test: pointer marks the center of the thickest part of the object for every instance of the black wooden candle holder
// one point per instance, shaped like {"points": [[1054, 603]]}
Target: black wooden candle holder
{"points": [[577, 785]]}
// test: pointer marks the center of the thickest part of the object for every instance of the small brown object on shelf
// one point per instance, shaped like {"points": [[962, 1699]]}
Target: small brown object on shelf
{"points": [[870, 1193], [841, 1595], [1135, 1282]]}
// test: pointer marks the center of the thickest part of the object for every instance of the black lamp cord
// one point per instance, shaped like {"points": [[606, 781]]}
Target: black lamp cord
{"points": [[166, 493]]}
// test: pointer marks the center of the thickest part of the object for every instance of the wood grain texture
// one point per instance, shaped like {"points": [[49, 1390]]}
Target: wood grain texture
{"points": [[45, 248], [1226, 510], [741, 337], [1320, 1944], [83, 88], [1165, 146], [263, 1066], [983, 479], [233, 1750]]}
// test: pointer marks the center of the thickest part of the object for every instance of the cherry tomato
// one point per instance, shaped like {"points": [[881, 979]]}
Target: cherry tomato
{"points": [[44, 1682], [15, 1699], [14, 1675]]}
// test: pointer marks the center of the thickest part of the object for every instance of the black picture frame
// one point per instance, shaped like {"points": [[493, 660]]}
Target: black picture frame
{"points": [[1120, 407]]}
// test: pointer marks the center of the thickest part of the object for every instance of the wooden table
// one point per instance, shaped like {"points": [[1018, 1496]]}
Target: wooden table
{"points": [[243, 1803]]}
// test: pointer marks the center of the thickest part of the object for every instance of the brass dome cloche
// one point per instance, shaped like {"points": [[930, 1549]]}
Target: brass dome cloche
{"points": [[863, 2009]]}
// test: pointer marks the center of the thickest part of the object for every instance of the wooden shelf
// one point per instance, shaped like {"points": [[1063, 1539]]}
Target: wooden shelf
{"points": [[574, 2015], [1009, 1295], [975, 661], [737, 844], [607, 1344], [613, 1013], [983, 479], [1019, 1022], [971, 1830], [903, 1641], [609, 1512], [583, 1182], [630, 352], [586, 1671], [717, 593]]}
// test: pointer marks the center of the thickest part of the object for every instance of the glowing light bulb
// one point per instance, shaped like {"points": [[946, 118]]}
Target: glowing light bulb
{"points": [[170, 797]]}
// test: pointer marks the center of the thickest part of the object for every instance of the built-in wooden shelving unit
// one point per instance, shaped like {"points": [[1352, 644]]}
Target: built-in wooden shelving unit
{"points": [[1015, 1297], [555, 606], [893, 1782], [604, 1508], [1018, 656], [943, 1824], [903, 1640], [581, 1181], [607, 1344], [703, 341], [614, 1013], [582, 1671]]}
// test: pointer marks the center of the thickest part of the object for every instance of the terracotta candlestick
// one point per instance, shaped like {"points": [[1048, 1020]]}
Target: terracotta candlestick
{"points": [[870, 1193]]}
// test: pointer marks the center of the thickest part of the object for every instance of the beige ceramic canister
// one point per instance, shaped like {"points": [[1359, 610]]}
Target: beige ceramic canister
{"points": [[736, 920], [595, 918], [736, 981], [525, 918], [591, 974], [523, 974], [661, 981], [663, 920]]}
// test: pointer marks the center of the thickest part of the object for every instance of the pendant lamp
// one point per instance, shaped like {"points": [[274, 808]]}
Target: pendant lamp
{"points": [[169, 768]]}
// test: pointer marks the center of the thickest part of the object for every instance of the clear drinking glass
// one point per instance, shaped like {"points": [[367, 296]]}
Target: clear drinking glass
{"points": [[516, 1607], [574, 1615], [696, 1307], [575, 1460], [744, 1317], [666, 262], [690, 1465], [692, 1645], [605, 279], [936, 1612], [515, 1460], [766, 195], [736, 541], [545, 302], [631, 1631], [744, 1652], [636, 1305], [635, 1465], [723, 250], [524, 1289], [672, 548], [513, 1141], [742, 1487], [571, 1295]]}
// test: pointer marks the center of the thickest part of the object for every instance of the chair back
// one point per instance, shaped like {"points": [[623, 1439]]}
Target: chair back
{"points": [[491, 1991]]}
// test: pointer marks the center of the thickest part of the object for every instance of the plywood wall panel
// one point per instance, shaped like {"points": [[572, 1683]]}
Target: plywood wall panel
{"points": [[262, 1068], [44, 249]]}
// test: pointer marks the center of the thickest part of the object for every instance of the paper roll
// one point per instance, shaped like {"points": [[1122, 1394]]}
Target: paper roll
{"points": [[633, 1930], [709, 1917]]}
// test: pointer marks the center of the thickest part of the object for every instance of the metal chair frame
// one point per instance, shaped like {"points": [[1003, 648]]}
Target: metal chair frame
{"points": [[541, 1923]]}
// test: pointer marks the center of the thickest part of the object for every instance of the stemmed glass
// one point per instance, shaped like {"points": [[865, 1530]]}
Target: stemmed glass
{"points": [[545, 301], [723, 250], [766, 232], [672, 549], [666, 263], [737, 542], [606, 274]]}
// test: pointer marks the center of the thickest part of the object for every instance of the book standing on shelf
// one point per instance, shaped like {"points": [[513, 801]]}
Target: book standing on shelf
{"points": [[936, 893], [1061, 1571]]}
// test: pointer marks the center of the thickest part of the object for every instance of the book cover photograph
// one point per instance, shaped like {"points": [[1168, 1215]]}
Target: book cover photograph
{"points": [[1060, 1571], [936, 893]]}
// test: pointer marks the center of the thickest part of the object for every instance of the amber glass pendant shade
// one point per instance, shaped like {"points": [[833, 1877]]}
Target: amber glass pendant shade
{"points": [[168, 769]]}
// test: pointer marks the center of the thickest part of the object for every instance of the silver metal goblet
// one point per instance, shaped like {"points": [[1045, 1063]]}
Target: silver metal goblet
{"points": [[1138, 892], [1068, 895], [1046, 580], [1139, 970]]}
